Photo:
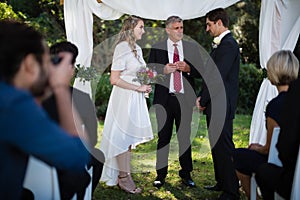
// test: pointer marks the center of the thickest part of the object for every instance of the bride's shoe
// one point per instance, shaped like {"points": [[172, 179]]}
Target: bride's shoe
{"points": [[126, 183]]}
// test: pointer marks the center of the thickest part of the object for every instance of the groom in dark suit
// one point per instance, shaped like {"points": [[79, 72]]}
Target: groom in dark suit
{"points": [[226, 60], [175, 97]]}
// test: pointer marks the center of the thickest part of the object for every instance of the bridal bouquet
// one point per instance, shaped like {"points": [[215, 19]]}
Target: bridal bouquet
{"points": [[146, 75]]}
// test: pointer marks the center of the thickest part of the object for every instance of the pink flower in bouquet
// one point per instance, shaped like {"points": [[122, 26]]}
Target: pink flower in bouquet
{"points": [[150, 74], [146, 76]]}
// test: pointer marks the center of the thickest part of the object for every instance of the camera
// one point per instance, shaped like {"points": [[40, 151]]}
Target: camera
{"points": [[55, 59]]}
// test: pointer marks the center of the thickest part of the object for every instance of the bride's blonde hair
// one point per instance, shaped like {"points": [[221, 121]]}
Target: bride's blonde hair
{"points": [[127, 33]]}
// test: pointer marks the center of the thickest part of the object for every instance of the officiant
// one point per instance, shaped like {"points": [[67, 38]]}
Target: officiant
{"points": [[174, 97]]}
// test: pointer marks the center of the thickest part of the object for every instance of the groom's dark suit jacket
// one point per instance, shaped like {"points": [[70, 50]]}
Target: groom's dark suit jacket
{"points": [[226, 62], [159, 58], [227, 59]]}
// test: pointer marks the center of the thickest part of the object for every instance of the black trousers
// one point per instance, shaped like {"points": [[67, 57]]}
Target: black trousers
{"points": [[71, 183], [176, 110], [270, 178], [97, 161], [222, 152]]}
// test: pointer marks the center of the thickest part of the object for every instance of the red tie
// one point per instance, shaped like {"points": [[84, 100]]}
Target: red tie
{"points": [[177, 76]]}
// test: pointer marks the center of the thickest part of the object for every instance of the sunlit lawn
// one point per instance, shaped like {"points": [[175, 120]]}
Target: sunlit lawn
{"points": [[143, 165]]}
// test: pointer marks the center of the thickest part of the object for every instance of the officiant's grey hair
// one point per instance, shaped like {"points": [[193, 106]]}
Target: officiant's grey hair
{"points": [[172, 19]]}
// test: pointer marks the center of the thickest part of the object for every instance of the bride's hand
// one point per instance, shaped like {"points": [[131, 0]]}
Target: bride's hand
{"points": [[144, 88]]}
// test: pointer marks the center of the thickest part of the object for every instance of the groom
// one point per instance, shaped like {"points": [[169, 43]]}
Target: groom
{"points": [[226, 56], [175, 97]]}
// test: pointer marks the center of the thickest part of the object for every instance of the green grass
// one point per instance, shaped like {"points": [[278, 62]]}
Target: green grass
{"points": [[143, 165]]}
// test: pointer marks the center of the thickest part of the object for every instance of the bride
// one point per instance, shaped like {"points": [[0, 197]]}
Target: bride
{"points": [[127, 121]]}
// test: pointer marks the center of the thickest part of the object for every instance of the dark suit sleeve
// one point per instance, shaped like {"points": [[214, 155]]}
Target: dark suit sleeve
{"points": [[85, 108], [193, 58], [155, 58], [207, 76], [50, 107], [87, 113], [226, 59]]}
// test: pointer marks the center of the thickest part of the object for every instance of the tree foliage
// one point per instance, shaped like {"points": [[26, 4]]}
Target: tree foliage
{"points": [[6, 12], [246, 30], [47, 17]]}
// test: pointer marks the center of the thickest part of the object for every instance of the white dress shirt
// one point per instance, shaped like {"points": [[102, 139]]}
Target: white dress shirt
{"points": [[181, 58]]}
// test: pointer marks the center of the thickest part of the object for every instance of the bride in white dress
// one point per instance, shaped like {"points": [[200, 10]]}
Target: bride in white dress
{"points": [[127, 121]]}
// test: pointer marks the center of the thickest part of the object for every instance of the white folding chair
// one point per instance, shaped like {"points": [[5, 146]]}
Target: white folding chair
{"points": [[295, 195], [273, 155], [42, 180], [253, 187], [273, 158], [273, 152]]}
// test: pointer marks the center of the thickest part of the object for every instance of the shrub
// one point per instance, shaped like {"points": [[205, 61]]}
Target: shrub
{"points": [[103, 91], [250, 79]]}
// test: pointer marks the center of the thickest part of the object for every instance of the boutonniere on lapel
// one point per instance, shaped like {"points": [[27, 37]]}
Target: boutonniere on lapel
{"points": [[216, 42]]}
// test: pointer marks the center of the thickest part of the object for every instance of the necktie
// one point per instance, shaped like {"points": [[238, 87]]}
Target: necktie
{"points": [[177, 76]]}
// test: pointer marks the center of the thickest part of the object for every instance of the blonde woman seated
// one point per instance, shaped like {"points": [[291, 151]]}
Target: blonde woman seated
{"points": [[282, 69]]}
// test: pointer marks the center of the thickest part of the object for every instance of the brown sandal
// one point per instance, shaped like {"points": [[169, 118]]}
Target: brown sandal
{"points": [[126, 183]]}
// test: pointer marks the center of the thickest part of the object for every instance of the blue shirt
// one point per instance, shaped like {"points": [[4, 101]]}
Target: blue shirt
{"points": [[25, 129]]}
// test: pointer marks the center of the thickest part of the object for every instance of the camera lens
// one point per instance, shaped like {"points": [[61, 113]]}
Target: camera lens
{"points": [[55, 59]]}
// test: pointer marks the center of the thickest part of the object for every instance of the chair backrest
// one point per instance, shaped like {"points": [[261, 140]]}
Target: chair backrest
{"points": [[273, 152], [295, 195], [42, 180]]}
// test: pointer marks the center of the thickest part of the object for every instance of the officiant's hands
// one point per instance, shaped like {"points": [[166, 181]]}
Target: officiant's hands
{"points": [[170, 68], [179, 65], [182, 66]]}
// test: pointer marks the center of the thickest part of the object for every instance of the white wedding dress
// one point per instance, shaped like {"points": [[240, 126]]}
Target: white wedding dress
{"points": [[127, 119]]}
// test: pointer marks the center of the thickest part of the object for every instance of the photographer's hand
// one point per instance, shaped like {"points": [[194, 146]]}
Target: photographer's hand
{"points": [[62, 73]]}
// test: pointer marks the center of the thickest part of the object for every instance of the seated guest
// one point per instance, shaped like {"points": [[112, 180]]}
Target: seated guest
{"points": [[282, 70], [26, 129], [269, 177], [68, 182]]}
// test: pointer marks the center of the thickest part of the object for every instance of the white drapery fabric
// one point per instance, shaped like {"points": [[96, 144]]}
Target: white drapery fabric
{"points": [[279, 28], [78, 15], [161, 10]]}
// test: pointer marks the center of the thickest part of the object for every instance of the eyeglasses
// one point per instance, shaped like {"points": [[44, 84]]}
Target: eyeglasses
{"points": [[177, 28]]}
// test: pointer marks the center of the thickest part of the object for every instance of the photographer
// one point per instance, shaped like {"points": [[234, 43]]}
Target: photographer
{"points": [[25, 73]]}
